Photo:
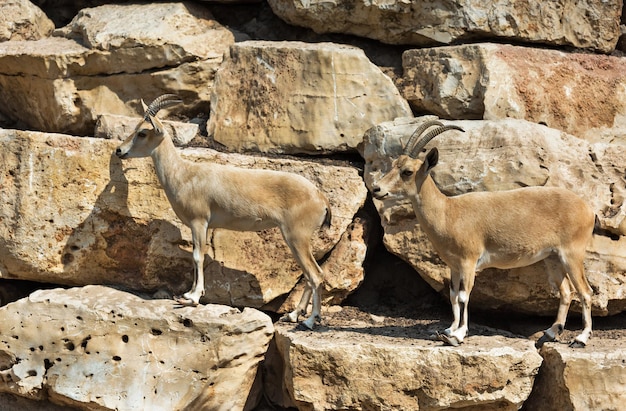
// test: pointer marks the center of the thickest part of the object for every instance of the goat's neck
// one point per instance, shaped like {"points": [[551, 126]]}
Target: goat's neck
{"points": [[168, 165], [430, 206]]}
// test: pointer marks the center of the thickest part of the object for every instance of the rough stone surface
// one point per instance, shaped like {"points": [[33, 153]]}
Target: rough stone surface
{"points": [[501, 155], [359, 368], [22, 20], [592, 379], [590, 24], [72, 213], [581, 94], [108, 58], [294, 97], [99, 348]]}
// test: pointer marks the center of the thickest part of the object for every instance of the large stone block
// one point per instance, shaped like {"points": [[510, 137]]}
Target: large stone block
{"points": [[358, 367], [293, 97], [73, 213], [108, 58], [581, 94], [589, 24], [99, 348], [22, 20], [502, 155]]}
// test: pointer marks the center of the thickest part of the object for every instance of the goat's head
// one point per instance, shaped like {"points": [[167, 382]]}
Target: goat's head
{"points": [[149, 132], [407, 172]]}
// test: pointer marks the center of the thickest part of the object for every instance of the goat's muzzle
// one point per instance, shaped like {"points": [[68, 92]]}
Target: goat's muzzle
{"points": [[120, 154]]}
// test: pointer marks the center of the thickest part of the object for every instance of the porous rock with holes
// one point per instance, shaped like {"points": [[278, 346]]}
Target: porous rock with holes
{"points": [[100, 348]]}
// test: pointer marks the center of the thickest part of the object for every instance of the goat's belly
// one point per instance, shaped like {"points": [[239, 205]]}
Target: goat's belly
{"points": [[508, 261], [242, 224]]}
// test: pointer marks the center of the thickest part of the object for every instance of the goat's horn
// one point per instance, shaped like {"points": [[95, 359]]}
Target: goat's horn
{"points": [[429, 136], [418, 132], [160, 102]]}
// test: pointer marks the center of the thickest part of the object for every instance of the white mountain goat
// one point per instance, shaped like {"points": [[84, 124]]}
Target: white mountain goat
{"points": [[505, 229], [208, 195]]}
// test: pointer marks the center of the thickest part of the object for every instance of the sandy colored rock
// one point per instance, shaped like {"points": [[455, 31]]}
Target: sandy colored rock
{"points": [[293, 97], [590, 24], [581, 94], [106, 60], [358, 367], [501, 155], [73, 213], [99, 348], [114, 127], [578, 380], [22, 20]]}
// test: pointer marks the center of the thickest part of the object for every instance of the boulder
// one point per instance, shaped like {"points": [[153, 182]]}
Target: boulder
{"points": [[501, 155], [73, 213], [22, 20], [107, 59], [578, 380], [590, 25], [114, 127], [99, 348], [293, 97], [358, 367], [581, 94]]}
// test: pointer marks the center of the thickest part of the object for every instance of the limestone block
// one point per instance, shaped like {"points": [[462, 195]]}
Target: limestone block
{"points": [[588, 24], [73, 213], [359, 368], [22, 20], [577, 380], [293, 97], [581, 94], [502, 155], [99, 348], [107, 59], [114, 127]]}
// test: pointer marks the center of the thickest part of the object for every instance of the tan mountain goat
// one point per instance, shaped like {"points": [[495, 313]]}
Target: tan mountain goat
{"points": [[505, 229], [208, 195]]}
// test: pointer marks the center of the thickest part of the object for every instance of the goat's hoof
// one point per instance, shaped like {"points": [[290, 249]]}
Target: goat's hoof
{"points": [[544, 339], [448, 339], [188, 302], [577, 344]]}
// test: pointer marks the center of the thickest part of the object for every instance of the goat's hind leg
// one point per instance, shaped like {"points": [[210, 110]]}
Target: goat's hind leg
{"points": [[556, 274], [575, 268]]}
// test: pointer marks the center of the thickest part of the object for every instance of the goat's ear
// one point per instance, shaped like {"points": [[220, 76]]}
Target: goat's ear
{"points": [[156, 124], [432, 158], [145, 107]]}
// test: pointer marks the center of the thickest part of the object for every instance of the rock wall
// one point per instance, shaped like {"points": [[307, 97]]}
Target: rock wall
{"points": [[328, 91]]}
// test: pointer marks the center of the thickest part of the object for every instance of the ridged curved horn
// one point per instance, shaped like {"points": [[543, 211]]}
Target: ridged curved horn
{"points": [[418, 133], [160, 102], [429, 136]]}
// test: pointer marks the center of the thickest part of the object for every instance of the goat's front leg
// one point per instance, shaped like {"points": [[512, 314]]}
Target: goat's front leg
{"points": [[460, 289], [199, 234]]}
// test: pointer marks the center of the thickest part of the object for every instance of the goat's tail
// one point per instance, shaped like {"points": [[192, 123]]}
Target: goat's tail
{"points": [[599, 230], [329, 215]]}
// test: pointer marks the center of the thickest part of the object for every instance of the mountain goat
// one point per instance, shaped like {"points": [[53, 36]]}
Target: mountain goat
{"points": [[505, 229], [209, 195]]}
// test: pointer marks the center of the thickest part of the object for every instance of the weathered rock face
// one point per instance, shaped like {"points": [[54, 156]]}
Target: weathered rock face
{"points": [[293, 97], [72, 213], [357, 369], [108, 58], [99, 348], [581, 94], [580, 380], [501, 155], [22, 20], [592, 24]]}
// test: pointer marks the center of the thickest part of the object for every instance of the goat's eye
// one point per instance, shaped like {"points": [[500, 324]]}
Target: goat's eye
{"points": [[407, 173], [141, 134]]}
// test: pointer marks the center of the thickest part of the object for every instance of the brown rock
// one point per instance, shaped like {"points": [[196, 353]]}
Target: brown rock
{"points": [[22, 20], [293, 97], [96, 347], [581, 94]]}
